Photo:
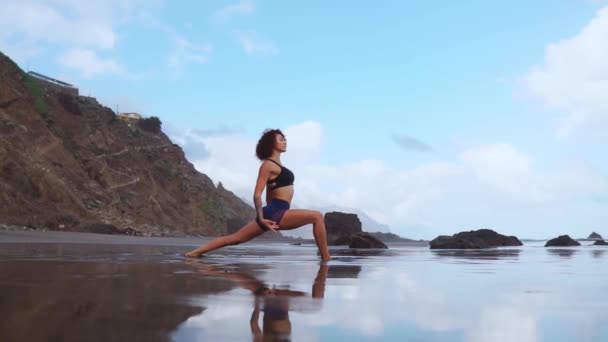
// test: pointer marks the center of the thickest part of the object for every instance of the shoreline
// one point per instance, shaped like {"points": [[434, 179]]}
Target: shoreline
{"points": [[96, 236], [50, 236], [24, 234]]}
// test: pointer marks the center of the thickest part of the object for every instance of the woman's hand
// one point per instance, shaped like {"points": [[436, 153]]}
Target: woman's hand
{"points": [[269, 224]]}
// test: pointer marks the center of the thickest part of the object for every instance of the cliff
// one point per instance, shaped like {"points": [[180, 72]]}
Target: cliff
{"points": [[69, 163]]}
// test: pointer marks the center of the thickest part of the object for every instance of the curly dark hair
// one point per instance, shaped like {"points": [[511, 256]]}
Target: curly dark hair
{"points": [[265, 145]]}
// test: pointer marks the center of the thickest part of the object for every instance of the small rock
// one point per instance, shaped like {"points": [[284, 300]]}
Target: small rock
{"points": [[595, 236], [562, 241], [474, 239]]}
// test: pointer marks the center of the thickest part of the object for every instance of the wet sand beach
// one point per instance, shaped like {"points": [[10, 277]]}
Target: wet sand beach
{"points": [[75, 286]]}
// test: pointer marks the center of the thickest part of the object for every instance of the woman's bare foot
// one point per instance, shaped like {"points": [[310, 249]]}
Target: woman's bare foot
{"points": [[192, 255]]}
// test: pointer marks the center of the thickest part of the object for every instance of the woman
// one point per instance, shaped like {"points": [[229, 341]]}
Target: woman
{"points": [[276, 215]]}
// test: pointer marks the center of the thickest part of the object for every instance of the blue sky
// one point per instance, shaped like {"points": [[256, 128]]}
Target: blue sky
{"points": [[433, 117]]}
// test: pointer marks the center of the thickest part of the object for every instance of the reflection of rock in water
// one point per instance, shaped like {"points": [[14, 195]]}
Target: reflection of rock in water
{"points": [[97, 301], [479, 254], [598, 254], [344, 271], [361, 252], [562, 252]]}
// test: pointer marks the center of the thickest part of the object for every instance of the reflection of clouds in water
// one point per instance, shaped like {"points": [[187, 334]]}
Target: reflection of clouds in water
{"points": [[522, 301], [513, 317], [225, 318], [503, 324], [221, 309], [429, 308], [384, 298], [349, 292], [516, 316], [371, 324], [387, 298]]}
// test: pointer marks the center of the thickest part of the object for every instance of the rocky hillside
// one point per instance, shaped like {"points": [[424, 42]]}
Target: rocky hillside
{"points": [[69, 163]]}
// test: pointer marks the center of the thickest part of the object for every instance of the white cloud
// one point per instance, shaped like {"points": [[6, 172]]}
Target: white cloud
{"points": [[243, 7], [574, 78], [89, 64], [510, 175], [304, 140], [183, 50], [20, 52], [81, 28], [505, 169], [55, 22], [186, 51], [69, 22], [254, 44]]}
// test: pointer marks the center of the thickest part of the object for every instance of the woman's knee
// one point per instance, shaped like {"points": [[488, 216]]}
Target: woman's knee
{"points": [[317, 217]]}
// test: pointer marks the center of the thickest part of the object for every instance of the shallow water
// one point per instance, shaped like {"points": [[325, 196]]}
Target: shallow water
{"points": [[65, 292]]}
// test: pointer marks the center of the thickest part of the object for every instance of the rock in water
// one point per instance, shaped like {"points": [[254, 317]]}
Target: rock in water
{"points": [[595, 236], [365, 240], [562, 241], [341, 227], [474, 239], [600, 243]]}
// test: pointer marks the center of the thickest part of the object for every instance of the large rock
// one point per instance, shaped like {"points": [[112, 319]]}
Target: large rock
{"points": [[365, 240], [600, 243], [340, 227], [474, 239], [562, 241], [595, 236]]}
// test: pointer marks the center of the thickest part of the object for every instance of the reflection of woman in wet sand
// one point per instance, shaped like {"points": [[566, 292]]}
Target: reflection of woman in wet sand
{"points": [[272, 301]]}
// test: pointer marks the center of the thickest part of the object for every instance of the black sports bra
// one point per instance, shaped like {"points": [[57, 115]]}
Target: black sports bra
{"points": [[284, 178]]}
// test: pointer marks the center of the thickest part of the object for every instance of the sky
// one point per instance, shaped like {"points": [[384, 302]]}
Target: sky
{"points": [[432, 117]]}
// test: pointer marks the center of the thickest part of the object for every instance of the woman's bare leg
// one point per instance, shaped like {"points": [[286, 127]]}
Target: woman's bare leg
{"points": [[295, 218], [248, 232]]}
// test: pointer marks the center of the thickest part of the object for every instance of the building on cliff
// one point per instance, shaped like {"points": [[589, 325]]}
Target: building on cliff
{"points": [[54, 84], [129, 116]]}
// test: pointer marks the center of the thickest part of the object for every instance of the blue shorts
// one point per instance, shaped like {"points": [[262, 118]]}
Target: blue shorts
{"points": [[274, 210]]}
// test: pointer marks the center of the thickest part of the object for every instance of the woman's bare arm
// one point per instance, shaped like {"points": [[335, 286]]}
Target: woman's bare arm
{"points": [[263, 176]]}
